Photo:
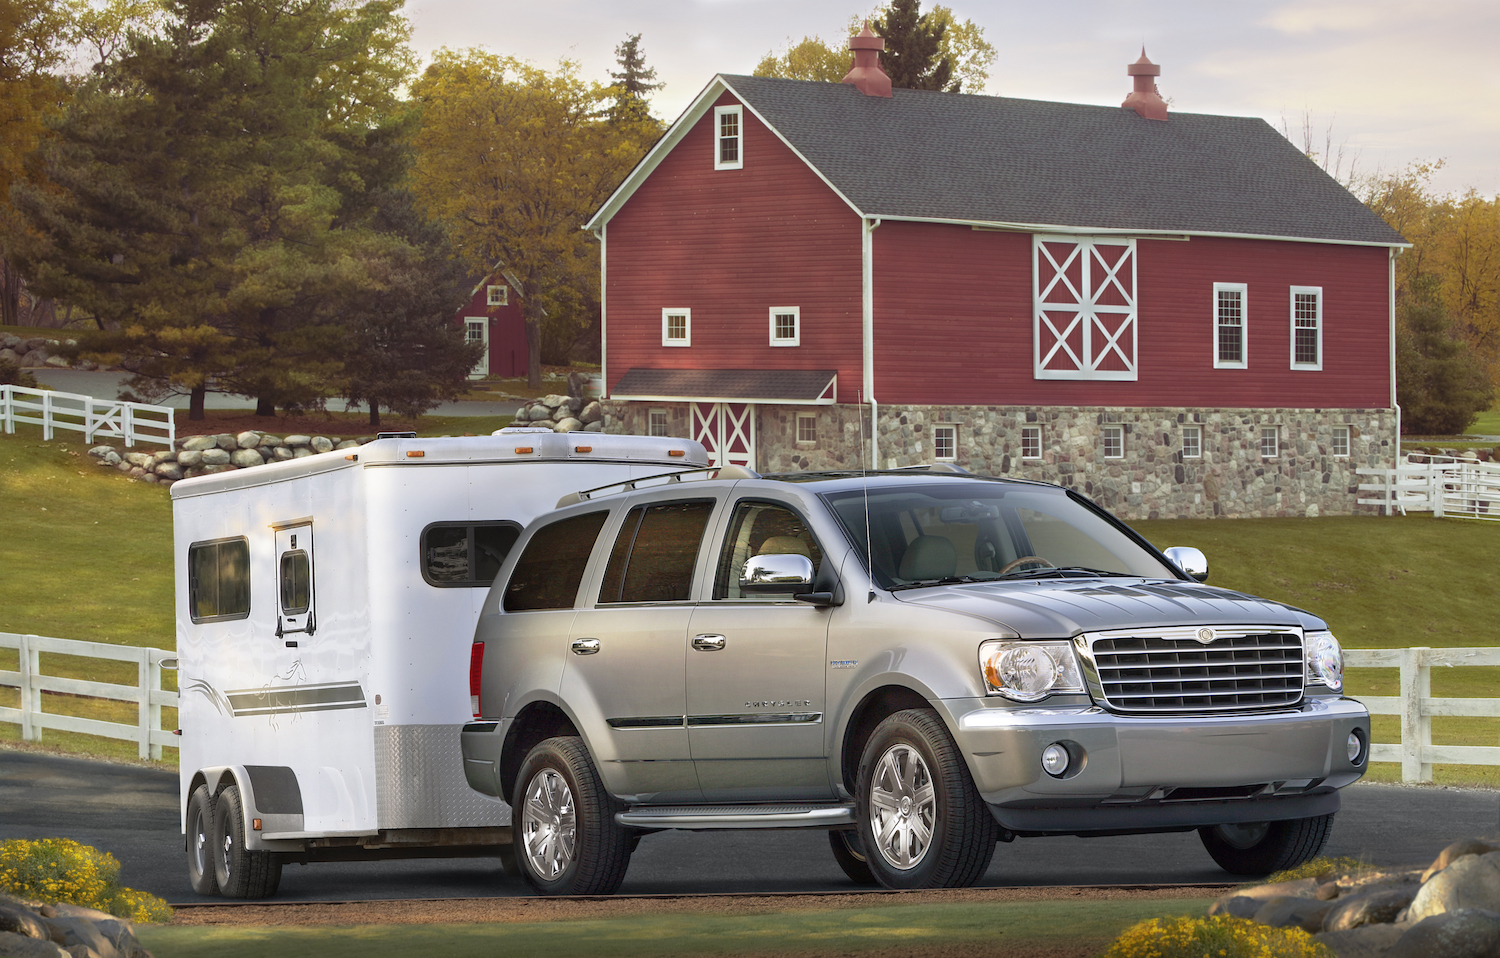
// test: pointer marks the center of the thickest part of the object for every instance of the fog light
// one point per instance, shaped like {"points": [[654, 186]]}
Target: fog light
{"points": [[1055, 759], [1355, 747]]}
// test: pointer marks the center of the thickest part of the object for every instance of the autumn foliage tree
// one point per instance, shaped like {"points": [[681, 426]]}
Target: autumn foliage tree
{"points": [[514, 159]]}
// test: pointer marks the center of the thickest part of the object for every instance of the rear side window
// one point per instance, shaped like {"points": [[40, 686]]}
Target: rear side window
{"points": [[219, 580], [549, 572], [466, 553], [296, 581], [654, 555]]}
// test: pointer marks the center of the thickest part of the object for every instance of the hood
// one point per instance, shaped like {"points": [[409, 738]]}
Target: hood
{"points": [[1062, 608]]}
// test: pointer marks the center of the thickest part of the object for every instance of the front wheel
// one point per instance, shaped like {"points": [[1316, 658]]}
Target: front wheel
{"points": [[240, 872], [850, 856], [1260, 848], [200, 829], [567, 840], [922, 823]]}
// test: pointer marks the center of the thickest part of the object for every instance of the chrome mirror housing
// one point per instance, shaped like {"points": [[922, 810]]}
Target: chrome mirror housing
{"points": [[776, 574], [1189, 560]]}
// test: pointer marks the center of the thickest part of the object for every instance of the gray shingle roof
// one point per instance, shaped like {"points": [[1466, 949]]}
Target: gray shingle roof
{"points": [[796, 385], [1002, 160]]}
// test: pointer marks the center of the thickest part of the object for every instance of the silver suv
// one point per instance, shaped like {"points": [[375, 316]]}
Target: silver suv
{"points": [[922, 663]]}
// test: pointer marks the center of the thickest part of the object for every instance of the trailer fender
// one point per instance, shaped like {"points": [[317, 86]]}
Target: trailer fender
{"points": [[270, 795]]}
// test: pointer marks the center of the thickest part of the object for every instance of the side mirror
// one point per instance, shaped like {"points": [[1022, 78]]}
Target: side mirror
{"points": [[776, 575], [1189, 560]]}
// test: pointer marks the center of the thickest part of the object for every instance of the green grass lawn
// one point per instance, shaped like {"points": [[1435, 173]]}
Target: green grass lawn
{"points": [[1487, 424], [1087, 926]]}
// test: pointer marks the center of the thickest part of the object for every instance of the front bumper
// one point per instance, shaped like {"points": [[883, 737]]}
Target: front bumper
{"points": [[1157, 773]]}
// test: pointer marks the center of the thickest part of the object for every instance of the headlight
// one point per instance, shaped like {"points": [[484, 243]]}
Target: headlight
{"points": [[1325, 660], [1028, 671]]}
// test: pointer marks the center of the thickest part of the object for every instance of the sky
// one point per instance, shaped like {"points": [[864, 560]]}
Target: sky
{"points": [[1381, 83]]}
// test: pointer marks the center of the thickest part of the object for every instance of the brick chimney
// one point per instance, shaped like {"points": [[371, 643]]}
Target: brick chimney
{"points": [[866, 74], [1145, 99]]}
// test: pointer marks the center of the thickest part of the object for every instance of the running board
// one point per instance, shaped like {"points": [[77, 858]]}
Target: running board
{"points": [[737, 816]]}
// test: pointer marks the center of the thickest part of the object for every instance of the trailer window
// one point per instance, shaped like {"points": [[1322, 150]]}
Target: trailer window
{"points": [[219, 579], [466, 554], [296, 576], [549, 572], [653, 557]]}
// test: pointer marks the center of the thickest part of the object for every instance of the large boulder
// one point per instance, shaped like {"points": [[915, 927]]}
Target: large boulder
{"points": [[57, 362], [216, 457], [1472, 881], [281, 453], [20, 921], [200, 443], [22, 946], [226, 442], [1294, 912], [1462, 933], [321, 444], [537, 412], [1459, 849], [245, 458], [188, 458], [297, 442], [71, 932], [248, 439], [1366, 941], [142, 459], [568, 425], [1377, 907], [171, 470], [593, 412]]}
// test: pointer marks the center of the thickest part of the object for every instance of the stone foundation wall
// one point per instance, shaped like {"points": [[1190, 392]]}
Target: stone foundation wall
{"points": [[1151, 480]]}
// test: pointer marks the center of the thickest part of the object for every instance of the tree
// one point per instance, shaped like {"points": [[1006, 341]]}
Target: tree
{"points": [[633, 82], [810, 59], [514, 159], [913, 56], [1440, 383]]}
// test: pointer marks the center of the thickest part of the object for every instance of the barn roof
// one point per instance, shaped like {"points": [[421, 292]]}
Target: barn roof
{"points": [[1038, 164]]}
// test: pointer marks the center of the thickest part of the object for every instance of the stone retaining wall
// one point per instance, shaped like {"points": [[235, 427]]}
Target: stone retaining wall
{"points": [[205, 455]]}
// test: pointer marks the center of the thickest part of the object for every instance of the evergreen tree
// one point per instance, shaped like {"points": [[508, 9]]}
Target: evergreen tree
{"points": [[1440, 382], [634, 81], [913, 48]]}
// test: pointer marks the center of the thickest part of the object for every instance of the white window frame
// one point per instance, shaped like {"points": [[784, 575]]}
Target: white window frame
{"points": [[1197, 444], [810, 418], [938, 434], [687, 327], [796, 313], [738, 113], [1030, 435], [497, 295], [1244, 291], [1118, 432], [1273, 435], [1316, 291], [1342, 435], [659, 416]]}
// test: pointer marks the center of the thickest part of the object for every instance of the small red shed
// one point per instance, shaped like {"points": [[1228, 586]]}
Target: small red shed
{"points": [[494, 316]]}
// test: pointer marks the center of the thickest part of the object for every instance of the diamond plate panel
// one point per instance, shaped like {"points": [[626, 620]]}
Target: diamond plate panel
{"points": [[419, 781]]}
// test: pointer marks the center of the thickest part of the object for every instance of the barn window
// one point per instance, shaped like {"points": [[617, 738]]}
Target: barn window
{"points": [[497, 295], [1269, 441], [1114, 442], [677, 327], [729, 151], [1307, 327], [659, 423], [1084, 308], [1031, 442], [945, 443], [807, 427], [1192, 442], [1341, 442], [1229, 326], [786, 326]]}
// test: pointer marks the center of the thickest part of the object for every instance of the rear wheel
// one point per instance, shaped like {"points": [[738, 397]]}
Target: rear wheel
{"points": [[200, 829], [851, 857], [1260, 848], [240, 872], [567, 840]]}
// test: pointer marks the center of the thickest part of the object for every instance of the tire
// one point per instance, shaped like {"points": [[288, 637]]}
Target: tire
{"points": [[568, 840], [1261, 848], [915, 788], [239, 872], [850, 856], [200, 843]]}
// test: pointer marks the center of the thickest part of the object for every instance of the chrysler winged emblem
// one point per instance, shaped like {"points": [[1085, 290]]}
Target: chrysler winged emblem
{"points": [[1205, 635]]}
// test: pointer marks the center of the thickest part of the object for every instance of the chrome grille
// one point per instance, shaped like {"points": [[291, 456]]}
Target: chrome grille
{"points": [[1171, 671]]}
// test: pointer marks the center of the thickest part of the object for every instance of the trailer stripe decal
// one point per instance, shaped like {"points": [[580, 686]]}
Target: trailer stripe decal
{"points": [[295, 698]]}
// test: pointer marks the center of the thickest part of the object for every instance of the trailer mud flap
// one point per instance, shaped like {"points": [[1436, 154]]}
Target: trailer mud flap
{"points": [[278, 797]]}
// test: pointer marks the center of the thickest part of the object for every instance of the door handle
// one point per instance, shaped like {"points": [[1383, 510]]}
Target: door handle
{"points": [[708, 643], [585, 646]]}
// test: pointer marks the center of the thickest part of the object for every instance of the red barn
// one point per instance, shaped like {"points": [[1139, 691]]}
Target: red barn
{"points": [[1180, 315], [494, 316]]}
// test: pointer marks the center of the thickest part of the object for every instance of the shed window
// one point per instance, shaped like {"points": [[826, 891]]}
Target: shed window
{"points": [[728, 143], [497, 295], [1229, 326], [786, 326], [1307, 327], [655, 552], [219, 579], [549, 572], [658, 422], [677, 327], [466, 553], [807, 427]]}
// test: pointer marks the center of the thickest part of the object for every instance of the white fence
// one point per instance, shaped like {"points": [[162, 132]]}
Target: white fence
{"points": [[1443, 486], [1417, 707], [115, 418], [147, 693]]}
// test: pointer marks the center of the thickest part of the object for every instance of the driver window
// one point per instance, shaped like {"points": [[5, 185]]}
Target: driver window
{"points": [[761, 528]]}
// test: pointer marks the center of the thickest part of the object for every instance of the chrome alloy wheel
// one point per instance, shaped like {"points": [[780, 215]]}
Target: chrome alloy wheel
{"points": [[201, 846], [549, 825], [903, 807]]}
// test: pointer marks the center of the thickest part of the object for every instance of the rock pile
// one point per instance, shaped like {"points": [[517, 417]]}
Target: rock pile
{"points": [[1451, 909], [205, 455], [64, 931], [38, 351], [562, 414]]}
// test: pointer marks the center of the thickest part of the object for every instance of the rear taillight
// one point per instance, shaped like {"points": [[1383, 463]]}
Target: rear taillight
{"points": [[476, 673]]}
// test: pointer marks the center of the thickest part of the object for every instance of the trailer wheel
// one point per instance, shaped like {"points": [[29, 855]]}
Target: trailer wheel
{"points": [[567, 840], [200, 830], [1261, 848], [239, 872]]}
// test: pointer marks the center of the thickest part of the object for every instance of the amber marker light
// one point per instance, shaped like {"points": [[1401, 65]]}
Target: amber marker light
{"points": [[677, 452], [415, 454], [524, 450], [352, 457], [583, 448], [255, 824]]}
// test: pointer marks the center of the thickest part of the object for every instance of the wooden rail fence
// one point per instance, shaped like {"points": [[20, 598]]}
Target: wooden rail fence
{"points": [[114, 418]]}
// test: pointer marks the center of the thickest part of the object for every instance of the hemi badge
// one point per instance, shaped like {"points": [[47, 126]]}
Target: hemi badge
{"points": [[1205, 635], [842, 663]]}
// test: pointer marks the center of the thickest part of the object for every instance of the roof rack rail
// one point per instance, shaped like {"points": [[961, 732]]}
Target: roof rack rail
{"points": [[629, 485]]}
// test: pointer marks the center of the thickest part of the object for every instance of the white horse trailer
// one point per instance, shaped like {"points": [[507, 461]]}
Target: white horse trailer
{"points": [[325, 618]]}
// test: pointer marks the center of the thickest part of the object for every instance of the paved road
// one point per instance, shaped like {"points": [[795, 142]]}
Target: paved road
{"points": [[106, 385], [132, 812]]}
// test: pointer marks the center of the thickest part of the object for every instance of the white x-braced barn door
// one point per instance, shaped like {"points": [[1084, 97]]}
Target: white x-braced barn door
{"points": [[727, 431], [1084, 302]]}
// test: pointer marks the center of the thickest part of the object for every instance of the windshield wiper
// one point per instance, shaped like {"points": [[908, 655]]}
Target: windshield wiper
{"points": [[1063, 572], [945, 580]]}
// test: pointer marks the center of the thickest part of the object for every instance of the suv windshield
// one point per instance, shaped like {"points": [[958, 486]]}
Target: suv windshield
{"points": [[978, 531]]}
